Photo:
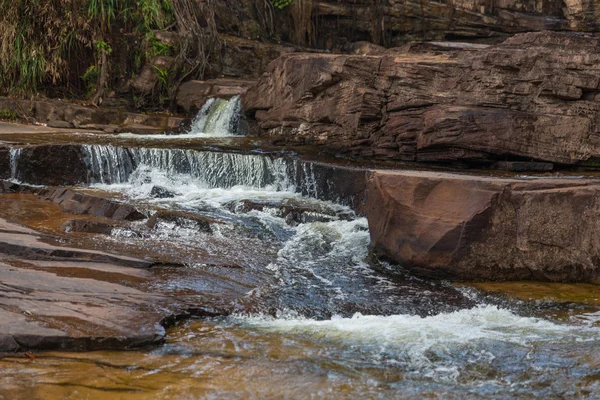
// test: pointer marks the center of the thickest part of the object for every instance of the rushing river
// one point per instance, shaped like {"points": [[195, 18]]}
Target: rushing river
{"points": [[321, 318]]}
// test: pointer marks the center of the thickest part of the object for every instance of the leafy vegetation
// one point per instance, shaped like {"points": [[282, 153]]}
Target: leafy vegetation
{"points": [[282, 3], [84, 47], [7, 114]]}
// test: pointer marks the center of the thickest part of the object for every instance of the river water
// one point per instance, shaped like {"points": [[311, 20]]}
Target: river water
{"points": [[322, 318]]}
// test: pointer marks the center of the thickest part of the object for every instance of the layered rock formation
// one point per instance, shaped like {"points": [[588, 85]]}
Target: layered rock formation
{"points": [[484, 228], [65, 115], [535, 96], [336, 23]]}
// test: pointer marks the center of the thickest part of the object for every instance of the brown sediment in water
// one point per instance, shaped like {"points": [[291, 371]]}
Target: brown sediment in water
{"points": [[582, 293]]}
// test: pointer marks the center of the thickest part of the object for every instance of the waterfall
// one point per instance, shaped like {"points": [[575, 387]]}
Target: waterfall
{"points": [[115, 165], [15, 154], [219, 118]]}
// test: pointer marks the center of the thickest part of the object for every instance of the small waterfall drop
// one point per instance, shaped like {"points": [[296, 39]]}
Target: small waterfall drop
{"points": [[219, 118], [15, 154], [117, 165]]}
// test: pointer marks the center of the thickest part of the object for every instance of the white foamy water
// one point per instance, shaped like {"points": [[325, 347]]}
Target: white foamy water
{"points": [[443, 347], [15, 154], [484, 322], [218, 118]]}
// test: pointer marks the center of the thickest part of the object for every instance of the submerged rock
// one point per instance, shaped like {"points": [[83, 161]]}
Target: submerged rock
{"points": [[160, 192], [80, 203], [183, 218], [84, 226]]}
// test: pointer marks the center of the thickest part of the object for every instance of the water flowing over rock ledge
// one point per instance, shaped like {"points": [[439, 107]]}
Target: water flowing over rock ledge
{"points": [[535, 96], [441, 224]]}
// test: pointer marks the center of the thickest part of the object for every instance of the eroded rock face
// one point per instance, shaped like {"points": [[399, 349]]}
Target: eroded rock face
{"points": [[336, 23], [483, 228], [535, 96]]}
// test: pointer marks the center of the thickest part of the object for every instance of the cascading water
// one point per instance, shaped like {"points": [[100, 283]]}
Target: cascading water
{"points": [[117, 165], [15, 154], [218, 118], [317, 314], [317, 264]]}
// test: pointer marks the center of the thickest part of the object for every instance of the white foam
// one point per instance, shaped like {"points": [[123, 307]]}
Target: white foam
{"points": [[460, 327]]}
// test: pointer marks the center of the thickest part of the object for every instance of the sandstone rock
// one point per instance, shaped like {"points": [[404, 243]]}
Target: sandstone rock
{"points": [[85, 226], [80, 203], [484, 228], [4, 163], [182, 218], [52, 165], [64, 115], [60, 124], [193, 94], [290, 211], [78, 115], [242, 58], [336, 23], [531, 97], [59, 297], [7, 187], [524, 166], [148, 78]]}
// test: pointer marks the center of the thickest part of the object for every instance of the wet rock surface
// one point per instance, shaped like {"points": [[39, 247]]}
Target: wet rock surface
{"points": [[531, 97], [182, 218], [4, 163], [42, 308], [80, 203], [53, 296], [475, 228], [53, 165]]}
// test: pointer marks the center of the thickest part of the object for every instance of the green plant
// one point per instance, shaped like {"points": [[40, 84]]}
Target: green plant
{"points": [[6, 114], [282, 3], [163, 77], [157, 48], [73, 46]]}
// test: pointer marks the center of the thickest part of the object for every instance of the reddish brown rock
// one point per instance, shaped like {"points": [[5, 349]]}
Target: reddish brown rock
{"points": [[182, 218], [59, 297], [193, 94], [484, 228], [335, 23], [64, 115], [534, 96], [80, 203], [85, 226], [148, 78]]}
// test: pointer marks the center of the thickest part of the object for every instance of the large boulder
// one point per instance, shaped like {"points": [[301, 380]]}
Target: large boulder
{"points": [[484, 228], [535, 96]]}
